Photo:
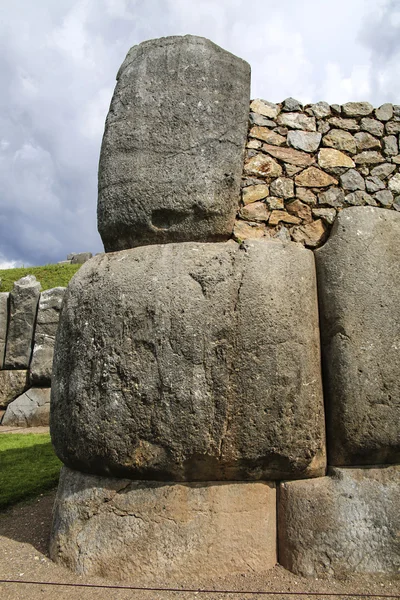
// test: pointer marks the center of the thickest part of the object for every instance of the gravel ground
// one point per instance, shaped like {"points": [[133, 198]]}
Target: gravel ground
{"points": [[24, 535]]}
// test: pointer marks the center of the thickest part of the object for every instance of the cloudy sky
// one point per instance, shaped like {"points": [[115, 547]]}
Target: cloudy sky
{"points": [[59, 58]]}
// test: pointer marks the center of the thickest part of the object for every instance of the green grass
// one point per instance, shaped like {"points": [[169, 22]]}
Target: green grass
{"points": [[28, 467], [50, 276]]}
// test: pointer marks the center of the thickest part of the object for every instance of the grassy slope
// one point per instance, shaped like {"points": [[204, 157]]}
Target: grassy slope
{"points": [[28, 467], [50, 276]]}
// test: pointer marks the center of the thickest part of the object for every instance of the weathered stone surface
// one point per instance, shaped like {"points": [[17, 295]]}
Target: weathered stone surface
{"points": [[12, 385], [392, 127], [384, 112], [253, 193], [340, 525], [346, 124], [357, 109], [328, 158], [396, 203], [291, 170], [267, 109], [383, 171], [332, 197], [81, 258], [291, 104], [172, 151], [372, 126], [32, 409], [374, 184], [390, 145], [172, 341], [24, 300], [359, 198], [256, 119], [340, 140], [257, 211], [369, 157], [4, 299], [297, 121], [396, 160], [253, 144], [288, 155], [366, 141], [384, 197], [283, 216], [275, 203], [282, 187], [264, 134], [394, 183], [306, 195], [312, 234], [262, 166], [244, 231], [303, 140], [326, 214], [321, 109], [323, 127], [359, 295], [152, 533], [352, 181], [298, 209], [313, 177]]}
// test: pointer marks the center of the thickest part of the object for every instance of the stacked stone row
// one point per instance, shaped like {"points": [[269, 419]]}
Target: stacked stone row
{"points": [[305, 163], [28, 324]]}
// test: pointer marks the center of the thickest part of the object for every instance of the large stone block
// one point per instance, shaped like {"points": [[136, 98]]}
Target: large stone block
{"points": [[46, 327], [159, 533], [191, 362], [172, 154], [24, 300], [4, 297], [359, 294], [12, 385], [343, 524], [32, 409]]}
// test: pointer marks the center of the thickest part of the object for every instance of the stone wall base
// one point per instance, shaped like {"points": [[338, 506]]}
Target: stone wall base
{"points": [[157, 533]]}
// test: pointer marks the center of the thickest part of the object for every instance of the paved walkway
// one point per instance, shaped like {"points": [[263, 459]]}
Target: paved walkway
{"points": [[24, 429]]}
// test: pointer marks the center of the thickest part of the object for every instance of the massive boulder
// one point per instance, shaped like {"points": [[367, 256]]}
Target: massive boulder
{"points": [[4, 296], [359, 294], [172, 154], [191, 362]]}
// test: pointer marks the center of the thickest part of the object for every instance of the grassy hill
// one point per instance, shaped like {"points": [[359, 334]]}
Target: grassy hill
{"points": [[50, 276]]}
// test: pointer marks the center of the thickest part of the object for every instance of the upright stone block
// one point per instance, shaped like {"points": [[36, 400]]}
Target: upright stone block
{"points": [[172, 153], [4, 298], [359, 294], [191, 362], [46, 327], [343, 524], [24, 300], [162, 533]]}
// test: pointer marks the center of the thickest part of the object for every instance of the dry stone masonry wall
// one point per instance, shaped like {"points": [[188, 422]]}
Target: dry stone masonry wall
{"points": [[303, 164]]}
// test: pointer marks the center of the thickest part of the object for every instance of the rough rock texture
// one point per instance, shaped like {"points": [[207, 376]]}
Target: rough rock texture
{"points": [[189, 361], [150, 532], [32, 409], [12, 384], [172, 152], [80, 258], [343, 524], [24, 300], [359, 296], [4, 298], [46, 328]]}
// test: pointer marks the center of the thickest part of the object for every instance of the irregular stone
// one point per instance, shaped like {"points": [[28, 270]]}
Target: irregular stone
{"points": [[291, 170], [275, 203], [153, 532], [392, 127], [12, 385], [396, 160], [385, 197], [246, 181], [333, 197], [302, 140], [251, 152], [352, 180], [278, 216], [384, 112], [364, 171], [256, 119], [288, 155], [366, 141], [257, 211], [297, 121], [323, 127], [396, 203], [171, 158], [244, 231], [359, 198], [390, 145], [328, 158], [313, 177], [311, 235], [46, 327], [275, 139], [357, 109], [372, 126], [267, 109], [4, 299], [374, 184], [290, 104], [263, 166], [306, 195], [282, 187], [340, 140], [24, 300], [369, 157], [340, 525], [283, 234], [298, 209], [383, 171], [252, 193], [359, 294], [346, 124], [253, 144], [394, 183], [172, 341], [321, 109], [81, 258], [32, 409], [328, 215], [281, 130], [336, 108], [396, 111], [262, 133]]}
